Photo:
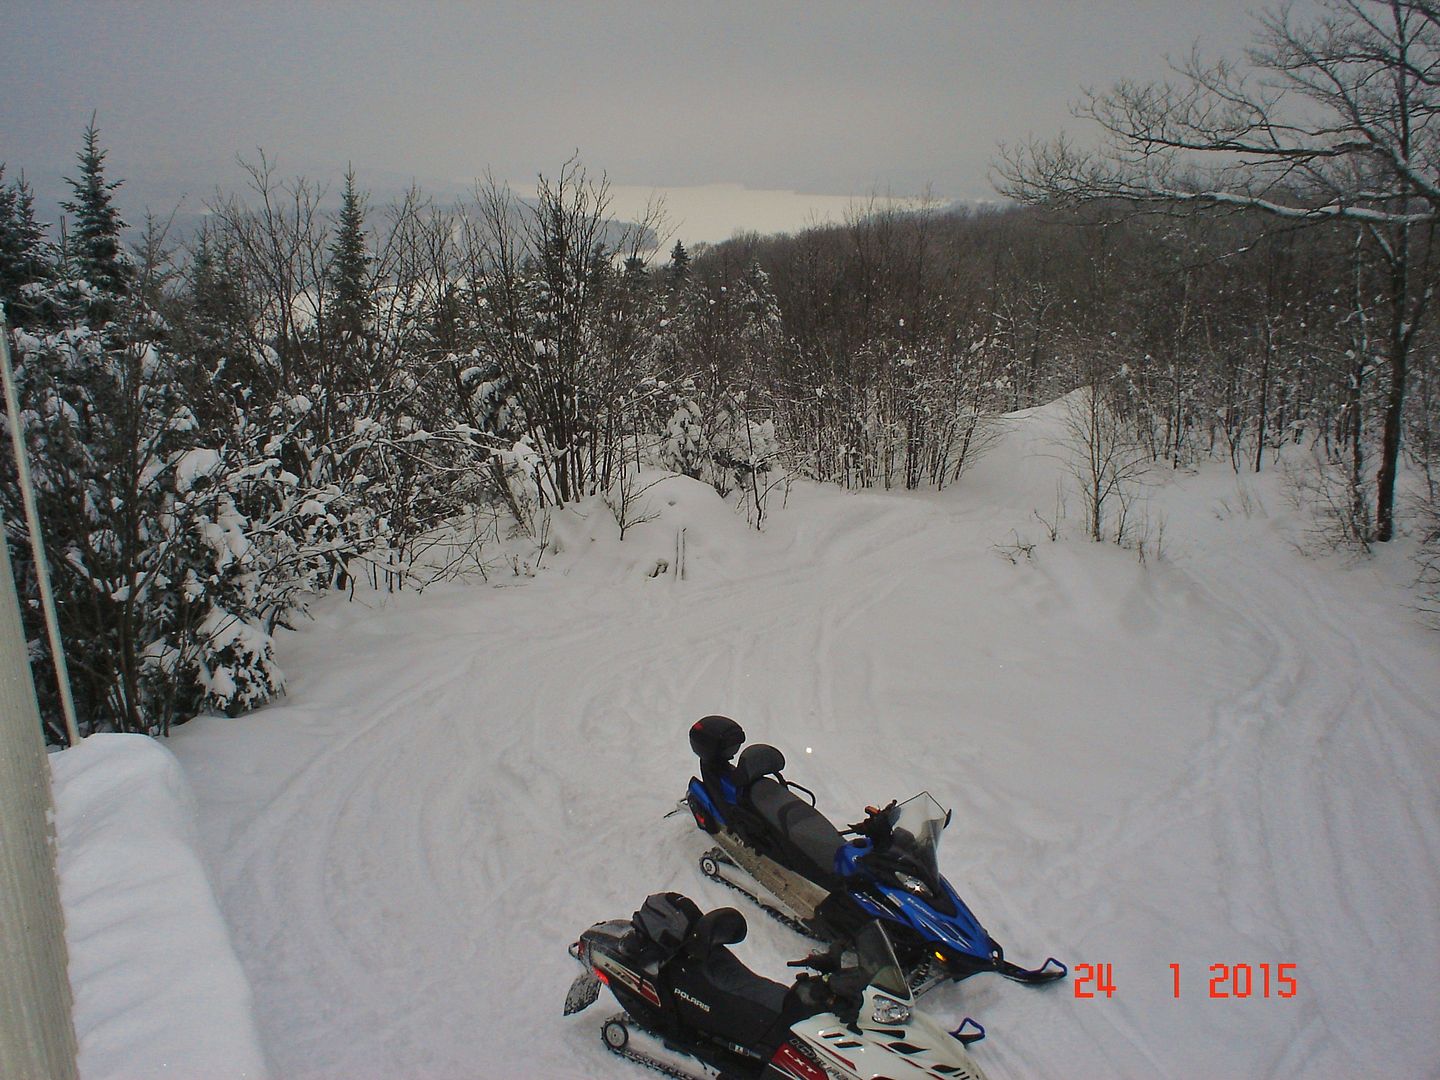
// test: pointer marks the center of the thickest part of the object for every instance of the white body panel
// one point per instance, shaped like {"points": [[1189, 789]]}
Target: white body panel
{"points": [[870, 1054]]}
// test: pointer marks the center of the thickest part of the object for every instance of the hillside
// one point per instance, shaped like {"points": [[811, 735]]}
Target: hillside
{"points": [[1224, 755]]}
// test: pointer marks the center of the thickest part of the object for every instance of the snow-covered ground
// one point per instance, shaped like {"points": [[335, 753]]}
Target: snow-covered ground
{"points": [[1226, 756]]}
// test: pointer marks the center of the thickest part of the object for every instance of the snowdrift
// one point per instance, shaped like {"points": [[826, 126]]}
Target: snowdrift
{"points": [[674, 524], [158, 989]]}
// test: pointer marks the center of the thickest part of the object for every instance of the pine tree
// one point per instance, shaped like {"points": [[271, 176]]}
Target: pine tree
{"points": [[94, 247], [214, 292], [24, 253], [679, 263], [348, 273], [214, 335], [157, 588]]}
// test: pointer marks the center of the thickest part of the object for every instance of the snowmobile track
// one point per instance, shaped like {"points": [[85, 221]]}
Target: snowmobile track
{"points": [[645, 1060], [775, 913]]}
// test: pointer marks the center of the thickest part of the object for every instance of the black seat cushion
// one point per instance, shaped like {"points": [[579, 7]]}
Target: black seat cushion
{"points": [[756, 761], [723, 926], [807, 830], [720, 995]]}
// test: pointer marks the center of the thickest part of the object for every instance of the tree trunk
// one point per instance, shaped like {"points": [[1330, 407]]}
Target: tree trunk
{"points": [[1390, 438]]}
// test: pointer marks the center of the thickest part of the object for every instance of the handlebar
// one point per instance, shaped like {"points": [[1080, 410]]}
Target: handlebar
{"points": [[874, 825], [827, 962]]}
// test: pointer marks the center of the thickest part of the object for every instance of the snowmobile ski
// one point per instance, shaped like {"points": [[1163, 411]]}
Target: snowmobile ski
{"points": [[1047, 972]]}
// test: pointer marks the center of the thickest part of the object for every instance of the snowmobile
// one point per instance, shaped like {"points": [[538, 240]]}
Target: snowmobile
{"points": [[826, 886], [692, 1010]]}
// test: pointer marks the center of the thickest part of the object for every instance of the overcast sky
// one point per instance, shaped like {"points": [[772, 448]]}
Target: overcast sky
{"points": [[815, 98]]}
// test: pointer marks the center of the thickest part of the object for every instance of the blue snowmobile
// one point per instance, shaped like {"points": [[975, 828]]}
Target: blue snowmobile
{"points": [[787, 857]]}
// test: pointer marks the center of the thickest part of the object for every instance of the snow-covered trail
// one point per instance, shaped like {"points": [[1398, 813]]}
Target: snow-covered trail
{"points": [[1226, 757], [1320, 782]]}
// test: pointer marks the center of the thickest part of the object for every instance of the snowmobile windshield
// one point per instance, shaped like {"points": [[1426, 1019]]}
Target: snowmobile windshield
{"points": [[877, 962], [916, 825]]}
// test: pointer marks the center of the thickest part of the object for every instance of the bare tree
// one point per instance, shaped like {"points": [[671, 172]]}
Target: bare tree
{"points": [[1106, 458], [1338, 122], [553, 293]]}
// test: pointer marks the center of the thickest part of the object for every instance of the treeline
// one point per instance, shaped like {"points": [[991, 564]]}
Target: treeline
{"points": [[1212, 334], [297, 399], [300, 398]]}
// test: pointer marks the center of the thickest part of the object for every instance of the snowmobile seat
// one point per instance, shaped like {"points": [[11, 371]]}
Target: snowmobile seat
{"points": [[723, 926], [805, 833], [717, 993], [759, 759], [804, 829]]}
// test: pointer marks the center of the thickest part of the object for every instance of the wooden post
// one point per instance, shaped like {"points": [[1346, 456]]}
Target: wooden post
{"points": [[37, 537], [37, 1030]]}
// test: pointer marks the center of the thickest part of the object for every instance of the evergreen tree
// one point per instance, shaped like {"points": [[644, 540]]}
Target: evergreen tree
{"points": [[24, 253], [93, 244], [102, 415], [215, 295], [214, 334], [160, 603], [348, 274], [679, 263]]}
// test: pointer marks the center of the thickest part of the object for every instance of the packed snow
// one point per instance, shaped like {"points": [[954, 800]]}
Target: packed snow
{"points": [[157, 986], [1225, 754]]}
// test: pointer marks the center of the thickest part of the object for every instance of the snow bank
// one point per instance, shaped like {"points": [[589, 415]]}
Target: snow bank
{"points": [[158, 989], [672, 522]]}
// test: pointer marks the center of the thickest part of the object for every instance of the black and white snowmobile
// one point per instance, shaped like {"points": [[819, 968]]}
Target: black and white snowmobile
{"points": [[781, 852], [693, 1011]]}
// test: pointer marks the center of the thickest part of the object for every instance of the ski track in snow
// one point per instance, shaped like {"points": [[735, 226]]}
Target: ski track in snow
{"points": [[1228, 756]]}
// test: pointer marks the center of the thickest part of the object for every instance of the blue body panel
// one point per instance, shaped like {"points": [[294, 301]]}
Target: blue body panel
{"points": [[701, 797], [960, 932]]}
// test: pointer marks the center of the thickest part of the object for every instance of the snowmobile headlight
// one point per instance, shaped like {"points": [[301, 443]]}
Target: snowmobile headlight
{"points": [[914, 885], [889, 1011]]}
